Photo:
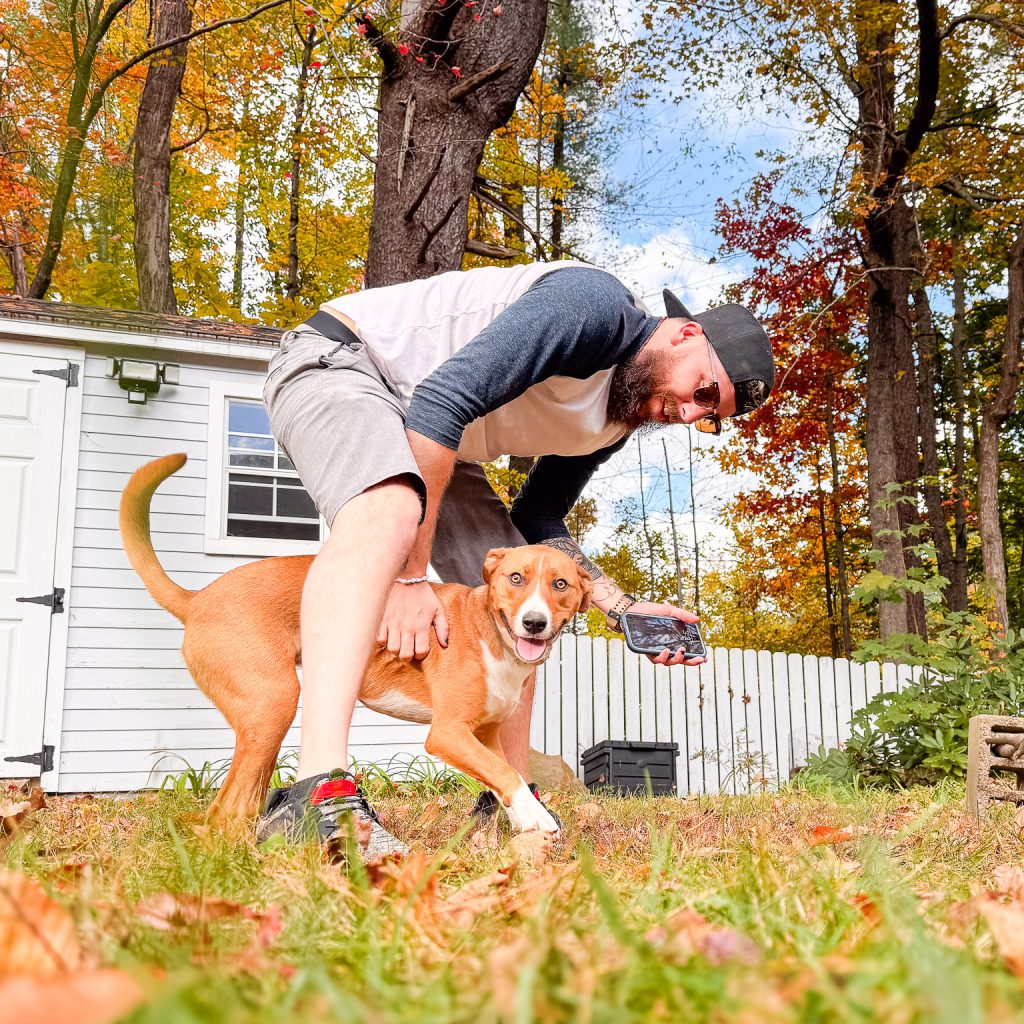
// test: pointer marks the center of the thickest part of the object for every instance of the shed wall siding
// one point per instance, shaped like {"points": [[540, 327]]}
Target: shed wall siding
{"points": [[131, 711]]}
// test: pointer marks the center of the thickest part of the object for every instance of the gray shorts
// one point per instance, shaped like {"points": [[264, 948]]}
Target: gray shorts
{"points": [[343, 427]]}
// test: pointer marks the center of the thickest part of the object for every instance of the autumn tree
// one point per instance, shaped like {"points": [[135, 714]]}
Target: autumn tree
{"points": [[453, 77]]}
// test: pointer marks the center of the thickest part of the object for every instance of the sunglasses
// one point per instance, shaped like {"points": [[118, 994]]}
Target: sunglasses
{"points": [[708, 396]]}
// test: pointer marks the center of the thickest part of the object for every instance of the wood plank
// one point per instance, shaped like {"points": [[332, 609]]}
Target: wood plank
{"points": [[663, 694], [872, 680], [769, 723], [844, 697], [631, 694], [585, 648], [814, 704], [708, 708], [616, 690], [184, 430], [725, 736], [755, 768], [128, 658], [165, 543], [123, 618], [118, 405], [569, 746], [783, 714], [889, 677], [174, 562], [127, 579], [553, 702], [601, 700], [111, 460], [539, 696], [186, 481], [163, 503], [648, 705], [858, 685]]}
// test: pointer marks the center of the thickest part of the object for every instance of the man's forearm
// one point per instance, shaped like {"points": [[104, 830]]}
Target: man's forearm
{"points": [[436, 463], [606, 593]]}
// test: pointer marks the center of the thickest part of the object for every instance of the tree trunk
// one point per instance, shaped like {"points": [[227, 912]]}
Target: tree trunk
{"points": [[152, 167], [993, 416], [927, 349], [15, 253], [433, 125], [839, 531], [558, 159], [891, 410], [958, 585], [891, 381], [291, 289], [241, 185]]}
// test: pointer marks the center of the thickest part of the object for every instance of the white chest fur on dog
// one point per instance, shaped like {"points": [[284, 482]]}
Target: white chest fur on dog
{"points": [[505, 678]]}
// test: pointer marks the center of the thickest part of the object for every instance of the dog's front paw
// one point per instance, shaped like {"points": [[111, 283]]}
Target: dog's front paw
{"points": [[527, 813]]}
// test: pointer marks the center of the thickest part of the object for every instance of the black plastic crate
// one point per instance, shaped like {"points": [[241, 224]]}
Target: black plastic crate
{"points": [[625, 766]]}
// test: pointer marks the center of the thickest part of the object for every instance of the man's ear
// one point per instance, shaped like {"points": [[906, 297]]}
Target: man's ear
{"points": [[494, 558], [586, 588]]}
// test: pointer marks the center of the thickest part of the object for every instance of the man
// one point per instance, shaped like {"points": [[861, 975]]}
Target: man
{"points": [[388, 400]]}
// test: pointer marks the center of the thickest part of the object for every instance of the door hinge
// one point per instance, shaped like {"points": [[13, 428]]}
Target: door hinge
{"points": [[69, 374], [55, 601], [44, 758]]}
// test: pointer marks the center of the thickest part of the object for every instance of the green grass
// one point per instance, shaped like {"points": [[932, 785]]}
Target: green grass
{"points": [[699, 909]]}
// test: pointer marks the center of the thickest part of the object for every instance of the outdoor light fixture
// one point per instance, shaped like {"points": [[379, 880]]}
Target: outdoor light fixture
{"points": [[141, 378]]}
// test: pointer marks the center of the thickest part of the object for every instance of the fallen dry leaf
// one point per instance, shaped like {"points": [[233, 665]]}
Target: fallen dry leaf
{"points": [[37, 935], [87, 997], [1006, 922], [533, 847], [485, 837], [430, 813], [687, 933], [16, 807], [825, 834], [589, 813], [1009, 879], [868, 908], [166, 911], [480, 896]]}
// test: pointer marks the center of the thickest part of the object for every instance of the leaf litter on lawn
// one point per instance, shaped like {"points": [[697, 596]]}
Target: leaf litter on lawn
{"points": [[45, 974]]}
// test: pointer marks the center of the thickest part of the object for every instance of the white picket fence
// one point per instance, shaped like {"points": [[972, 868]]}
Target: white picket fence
{"points": [[743, 720]]}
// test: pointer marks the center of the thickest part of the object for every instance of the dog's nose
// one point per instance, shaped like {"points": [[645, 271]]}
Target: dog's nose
{"points": [[534, 622]]}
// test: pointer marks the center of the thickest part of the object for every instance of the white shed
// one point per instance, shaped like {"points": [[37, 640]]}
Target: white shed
{"points": [[94, 695]]}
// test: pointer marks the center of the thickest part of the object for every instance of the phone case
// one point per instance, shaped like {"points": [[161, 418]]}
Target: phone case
{"points": [[633, 628]]}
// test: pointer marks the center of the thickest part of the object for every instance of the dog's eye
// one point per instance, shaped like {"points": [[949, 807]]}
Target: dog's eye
{"points": [[560, 585], [516, 579]]}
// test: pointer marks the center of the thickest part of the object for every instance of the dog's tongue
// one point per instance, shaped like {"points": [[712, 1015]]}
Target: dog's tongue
{"points": [[530, 650]]}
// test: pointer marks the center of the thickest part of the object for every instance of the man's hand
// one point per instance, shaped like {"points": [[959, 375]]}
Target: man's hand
{"points": [[668, 657], [411, 610]]}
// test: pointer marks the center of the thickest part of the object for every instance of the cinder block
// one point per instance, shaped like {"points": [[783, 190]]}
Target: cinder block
{"points": [[995, 762]]}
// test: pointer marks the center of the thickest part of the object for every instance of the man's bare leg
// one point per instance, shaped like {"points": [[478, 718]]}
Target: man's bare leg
{"points": [[515, 731], [342, 604]]}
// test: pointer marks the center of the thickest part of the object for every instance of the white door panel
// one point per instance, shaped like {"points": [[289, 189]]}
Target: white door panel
{"points": [[31, 431]]}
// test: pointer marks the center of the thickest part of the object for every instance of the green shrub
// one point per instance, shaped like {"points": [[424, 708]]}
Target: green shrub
{"points": [[966, 667]]}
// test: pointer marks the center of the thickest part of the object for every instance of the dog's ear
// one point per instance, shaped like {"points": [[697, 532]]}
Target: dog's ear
{"points": [[586, 587], [492, 561]]}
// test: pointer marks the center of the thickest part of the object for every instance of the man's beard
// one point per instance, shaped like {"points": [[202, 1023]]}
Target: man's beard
{"points": [[634, 384]]}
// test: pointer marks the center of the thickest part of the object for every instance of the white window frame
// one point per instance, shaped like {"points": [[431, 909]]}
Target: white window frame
{"points": [[214, 540]]}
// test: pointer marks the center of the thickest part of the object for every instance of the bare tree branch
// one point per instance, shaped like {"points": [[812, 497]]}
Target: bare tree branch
{"points": [[472, 82], [386, 50], [986, 19]]}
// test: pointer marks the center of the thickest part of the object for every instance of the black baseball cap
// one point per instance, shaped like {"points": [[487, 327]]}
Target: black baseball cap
{"points": [[740, 343]]}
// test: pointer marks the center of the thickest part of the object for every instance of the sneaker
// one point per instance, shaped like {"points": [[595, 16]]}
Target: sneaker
{"points": [[321, 807], [487, 805]]}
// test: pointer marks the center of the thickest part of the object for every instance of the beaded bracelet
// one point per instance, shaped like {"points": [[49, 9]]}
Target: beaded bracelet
{"points": [[415, 579]]}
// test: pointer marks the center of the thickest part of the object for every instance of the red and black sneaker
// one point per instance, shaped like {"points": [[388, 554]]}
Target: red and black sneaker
{"points": [[487, 805], [324, 807]]}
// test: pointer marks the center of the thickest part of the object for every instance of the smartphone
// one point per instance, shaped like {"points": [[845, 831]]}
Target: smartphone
{"points": [[652, 634]]}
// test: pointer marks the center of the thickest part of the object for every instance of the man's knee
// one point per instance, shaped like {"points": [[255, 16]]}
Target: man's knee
{"points": [[394, 508]]}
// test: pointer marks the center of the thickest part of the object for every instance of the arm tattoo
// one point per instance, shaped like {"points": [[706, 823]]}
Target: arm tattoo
{"points": [[569, 547], [606, 593]]}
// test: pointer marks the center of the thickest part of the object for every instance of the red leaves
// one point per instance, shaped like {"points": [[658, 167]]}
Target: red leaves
{"points": [[1003, 912], [497, 10], [403, 49], [822, 835], [457, 72]]}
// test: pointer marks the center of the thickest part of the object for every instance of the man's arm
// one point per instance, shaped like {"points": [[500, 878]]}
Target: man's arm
{"points": [[606, 594]]}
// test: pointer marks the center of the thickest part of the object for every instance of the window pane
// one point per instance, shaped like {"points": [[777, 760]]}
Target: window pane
{"points": [[282, 530], [295, 504], [288, 481], [248, 417], [283, 462], [253, 459], [263, 444], [247, 499]]}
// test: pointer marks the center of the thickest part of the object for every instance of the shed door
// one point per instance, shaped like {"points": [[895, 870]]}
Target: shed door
{"points": [[31, 429]]}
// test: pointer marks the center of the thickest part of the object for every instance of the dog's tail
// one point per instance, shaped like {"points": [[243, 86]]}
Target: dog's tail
{"points": [[136, 538]]}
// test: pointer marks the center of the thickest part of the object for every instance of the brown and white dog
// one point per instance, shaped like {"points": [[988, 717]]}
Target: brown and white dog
{"points": [[242, 645]]}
